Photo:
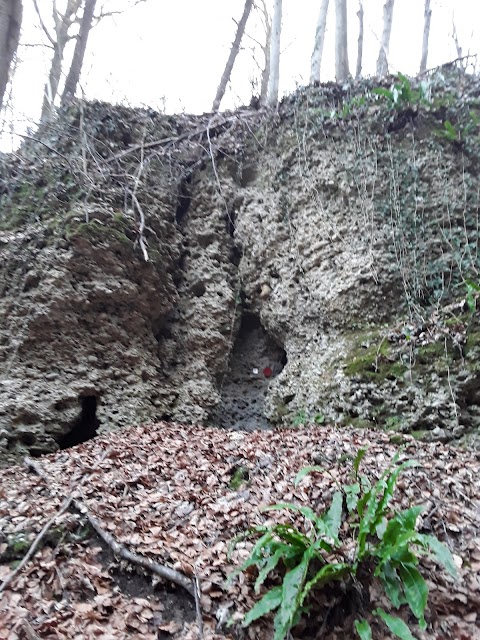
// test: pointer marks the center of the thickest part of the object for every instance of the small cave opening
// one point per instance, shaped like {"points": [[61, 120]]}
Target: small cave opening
{"points": [[85, 426], [256, 359]]}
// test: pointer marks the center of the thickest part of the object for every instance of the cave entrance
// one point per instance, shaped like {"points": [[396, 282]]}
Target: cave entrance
{"points": [[85, 426], [255, 360]]}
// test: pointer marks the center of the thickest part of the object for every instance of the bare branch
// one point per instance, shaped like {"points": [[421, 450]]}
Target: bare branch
{"points": [[232, 55], [36, 543], [42, 24]]}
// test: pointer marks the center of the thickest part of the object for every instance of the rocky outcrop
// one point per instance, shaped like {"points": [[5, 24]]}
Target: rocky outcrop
{"points": [[367, 231], [248, 269]]}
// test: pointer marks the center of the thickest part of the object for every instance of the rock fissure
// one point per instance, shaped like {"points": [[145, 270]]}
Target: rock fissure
{"points": [[255, 361]]}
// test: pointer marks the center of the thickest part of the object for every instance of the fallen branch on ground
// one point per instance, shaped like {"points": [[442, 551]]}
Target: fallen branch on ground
{"points": [[119, 549]]}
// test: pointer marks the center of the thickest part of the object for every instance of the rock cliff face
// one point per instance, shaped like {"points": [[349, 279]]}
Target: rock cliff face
{"points": [[247, 270]]}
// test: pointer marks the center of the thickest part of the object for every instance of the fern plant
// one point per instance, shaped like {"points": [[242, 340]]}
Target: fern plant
{"points": [[387, 548]]}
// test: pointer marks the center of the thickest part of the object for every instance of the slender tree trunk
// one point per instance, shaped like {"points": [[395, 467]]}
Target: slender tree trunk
{"points": [[266, 54], [73, 77], [316, 60], [358, 71], [10, 25], [63, 23], [426, 35], [233, 54], [458, 46], [272, 93], [342, 70], [382, 61]]}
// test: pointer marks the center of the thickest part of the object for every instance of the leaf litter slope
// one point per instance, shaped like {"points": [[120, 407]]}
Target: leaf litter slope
{"points": [[165, 491]]}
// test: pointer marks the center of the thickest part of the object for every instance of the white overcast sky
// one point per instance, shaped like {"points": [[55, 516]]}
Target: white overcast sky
{"points": [[170, 54]]}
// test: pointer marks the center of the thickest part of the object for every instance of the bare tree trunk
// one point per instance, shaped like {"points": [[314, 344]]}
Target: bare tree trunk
{"points": [[316, 60], [63, 22], [382, 61], [73, 77], [10, 25], [272, 93], [458, 46], [233, 54], [267, 23], [426, 35], [341, 41], [358, 71]]}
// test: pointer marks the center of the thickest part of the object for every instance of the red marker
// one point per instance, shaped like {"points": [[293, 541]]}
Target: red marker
{"points": [[267, 372]]}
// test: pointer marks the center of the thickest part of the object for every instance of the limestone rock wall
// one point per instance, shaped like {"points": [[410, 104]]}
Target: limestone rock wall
{"points": [[344, 226]]}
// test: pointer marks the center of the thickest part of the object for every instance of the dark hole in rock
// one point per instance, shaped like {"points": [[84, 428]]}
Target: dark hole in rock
{"points": [[471, 394], [198, 289], [249, 174], [85, 426], [235, 255], [27, 437], [289, 398], [205, 240], [184, 199], [255, 360], [231, 223]]}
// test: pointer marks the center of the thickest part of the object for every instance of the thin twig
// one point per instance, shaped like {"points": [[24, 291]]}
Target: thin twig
{"points": [[36, 543], [42, 24], [141, 227], [448, 64], [183, 136], [47, 146]]}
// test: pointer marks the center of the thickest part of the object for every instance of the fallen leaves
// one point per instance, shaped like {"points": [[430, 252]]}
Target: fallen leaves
{"points": [[164, 491]]}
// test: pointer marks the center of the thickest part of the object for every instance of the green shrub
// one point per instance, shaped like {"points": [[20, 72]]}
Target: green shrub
{"points": [[358, 540], [402, 94]]}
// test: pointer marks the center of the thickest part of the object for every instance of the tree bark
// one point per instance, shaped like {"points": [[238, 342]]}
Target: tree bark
{"points": [[382, 61], [63, 23], [10, 25], [272, 93], [426, 35], [73, 77], [266, 54], [456, 41], [233, 54], [316, 60], [358, 71], [341, 41]]}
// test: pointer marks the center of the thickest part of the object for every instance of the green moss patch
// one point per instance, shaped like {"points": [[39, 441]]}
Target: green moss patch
{"points": [[375, 363]]}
